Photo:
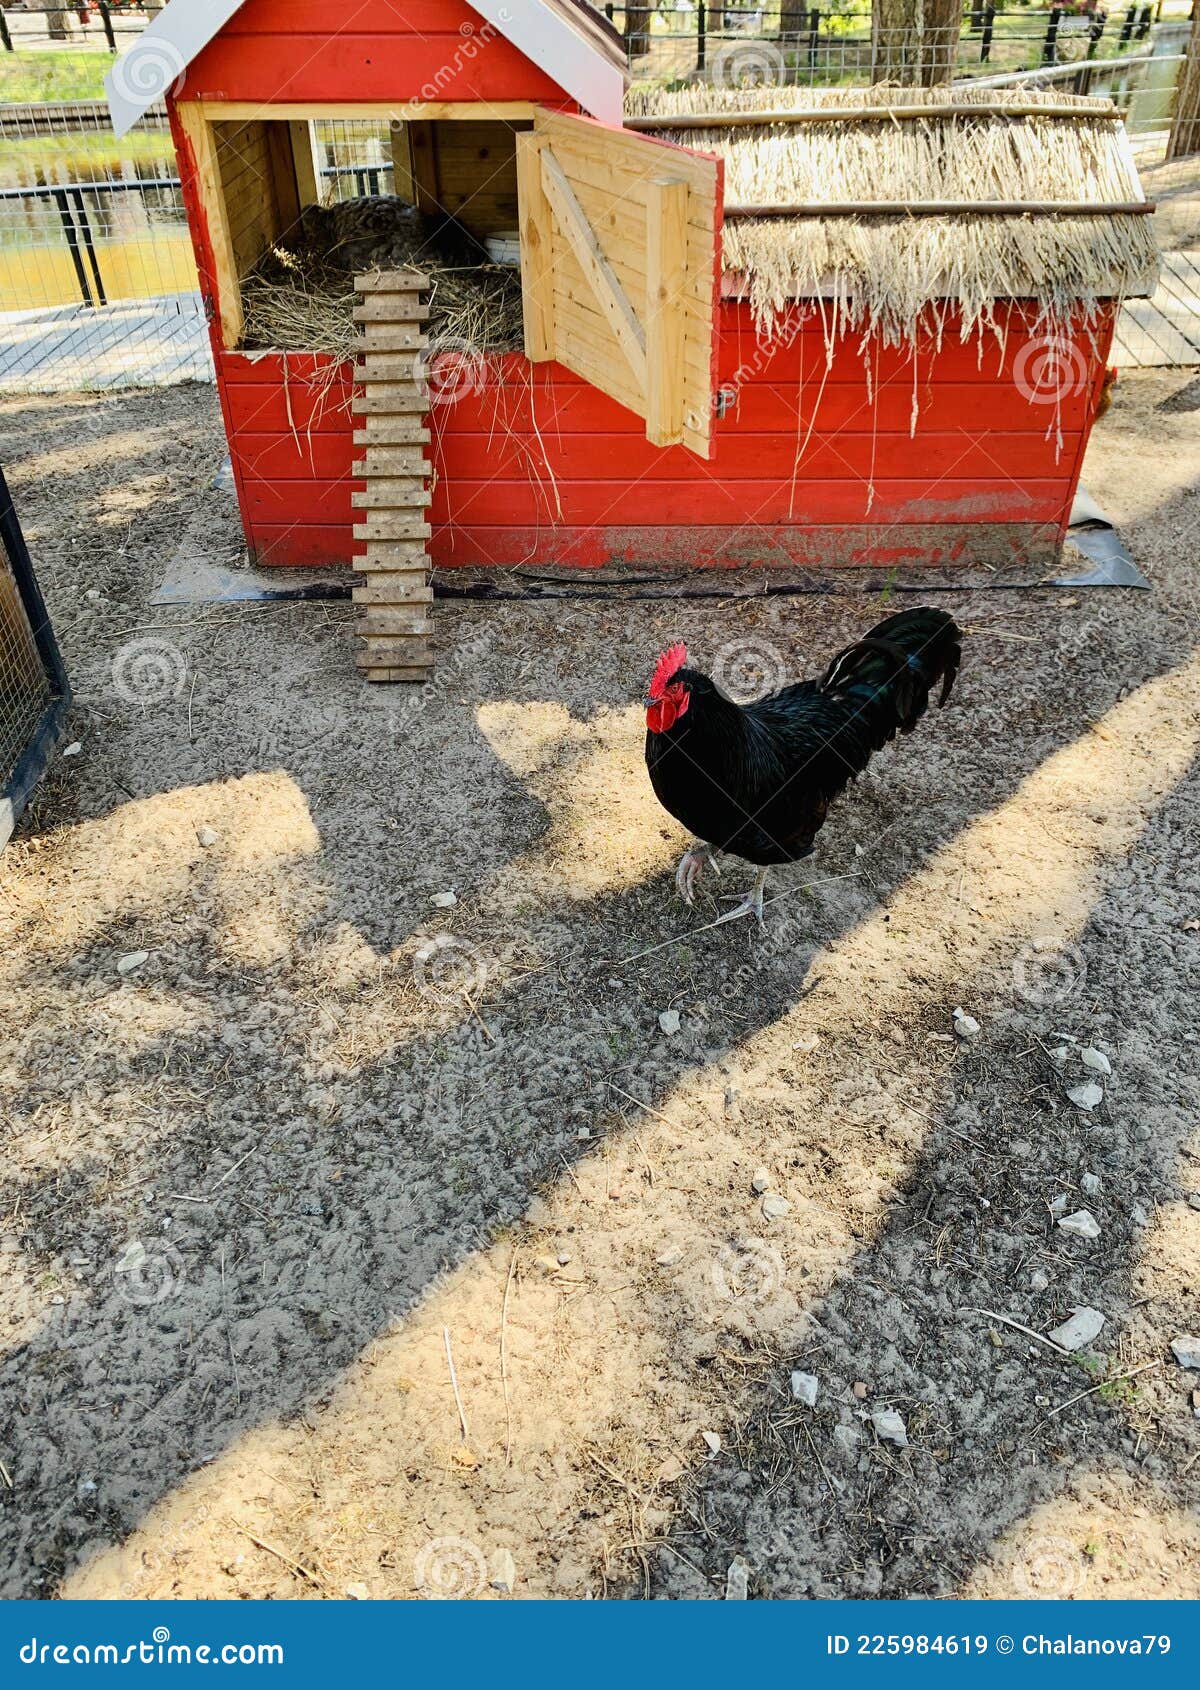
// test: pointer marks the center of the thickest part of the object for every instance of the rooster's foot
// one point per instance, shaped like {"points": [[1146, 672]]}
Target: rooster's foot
{"points": [[751, 904], [689, 869]]}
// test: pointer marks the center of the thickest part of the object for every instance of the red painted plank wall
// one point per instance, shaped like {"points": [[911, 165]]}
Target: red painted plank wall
{"points": [[814, 459], [306, 50]]}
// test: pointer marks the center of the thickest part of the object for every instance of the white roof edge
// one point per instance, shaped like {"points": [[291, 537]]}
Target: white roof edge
{"points": [[545, 37], [148, 69]]}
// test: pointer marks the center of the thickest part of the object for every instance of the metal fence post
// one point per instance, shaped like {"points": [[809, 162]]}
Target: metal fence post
{"points": [[814, 35], [1127, 27], [72, 234], [985, 45], [4, 35], [701, 35], [1143, 27], [106, 20], [1050, 45]]}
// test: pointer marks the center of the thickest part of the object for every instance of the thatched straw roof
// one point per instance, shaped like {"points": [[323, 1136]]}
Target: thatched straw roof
{"points": [[885, 272]]}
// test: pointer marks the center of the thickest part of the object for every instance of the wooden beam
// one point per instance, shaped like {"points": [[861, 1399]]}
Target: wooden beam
{"points": [[198, 132], [402, 163], [284, 175], [680, 121], [423, 160], [948, 208], [601, 278], [537, 250], [666, 279], [308, 182]]}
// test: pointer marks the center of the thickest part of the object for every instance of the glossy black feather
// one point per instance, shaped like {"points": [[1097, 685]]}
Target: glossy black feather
{"points": [[757, 779]]}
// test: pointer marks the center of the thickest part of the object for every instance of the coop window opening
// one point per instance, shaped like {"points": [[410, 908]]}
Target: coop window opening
{"points": [[257, 171]]}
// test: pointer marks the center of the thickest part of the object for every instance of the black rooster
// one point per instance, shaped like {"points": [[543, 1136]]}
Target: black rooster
{"points": [[757, 780]]}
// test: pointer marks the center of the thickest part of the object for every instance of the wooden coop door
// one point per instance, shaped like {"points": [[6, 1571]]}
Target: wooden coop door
{"points": [[620, 248]]}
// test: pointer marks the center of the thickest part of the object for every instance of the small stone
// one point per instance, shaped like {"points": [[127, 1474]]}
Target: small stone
{"points": [[860, 1389], [1039, 1281], [1080, 1329], [761, 1181], [774, 1207], [207, 836], [965, 1025], [807, 1044], [1090, 1184], [669, 1022], [713, 1440], [1186, 1350], [737, 1581], [132, 960], [668, 1258], [1059, 1055], [444, 900], [804, 1388], [1059, 1205], [358, 1592], [563, 1258], [890, 1426], [1083, 1224], [1194, 1200], [1095, 1060], [858, 851], [73, 749], [1086, 1096]]}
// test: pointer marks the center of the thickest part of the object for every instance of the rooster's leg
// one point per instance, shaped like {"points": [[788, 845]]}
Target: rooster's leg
{"points": [[751, 904], [689, 869]]}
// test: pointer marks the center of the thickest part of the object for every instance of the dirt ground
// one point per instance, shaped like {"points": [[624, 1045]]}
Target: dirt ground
{"points": [[357, 1244]]}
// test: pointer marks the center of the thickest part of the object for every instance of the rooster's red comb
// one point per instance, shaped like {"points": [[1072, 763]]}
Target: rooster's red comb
{"points": [[672, 659]]}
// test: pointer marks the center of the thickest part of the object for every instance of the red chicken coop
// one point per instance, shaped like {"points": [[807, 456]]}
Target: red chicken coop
{"points": [[693, 327]]}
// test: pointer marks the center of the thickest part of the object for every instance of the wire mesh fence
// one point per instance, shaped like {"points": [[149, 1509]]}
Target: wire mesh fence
{"points": [[33, 689], [833, 44]]}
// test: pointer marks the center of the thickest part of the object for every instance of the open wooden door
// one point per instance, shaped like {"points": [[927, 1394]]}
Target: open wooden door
{"points": [[620, 267]]}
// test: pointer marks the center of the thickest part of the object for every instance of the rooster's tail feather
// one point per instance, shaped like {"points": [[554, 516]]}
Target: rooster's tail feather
{"points": [[897, 664]]}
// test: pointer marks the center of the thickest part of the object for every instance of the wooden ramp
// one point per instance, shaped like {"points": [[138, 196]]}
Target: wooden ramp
{"points": [[392, 399]]}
